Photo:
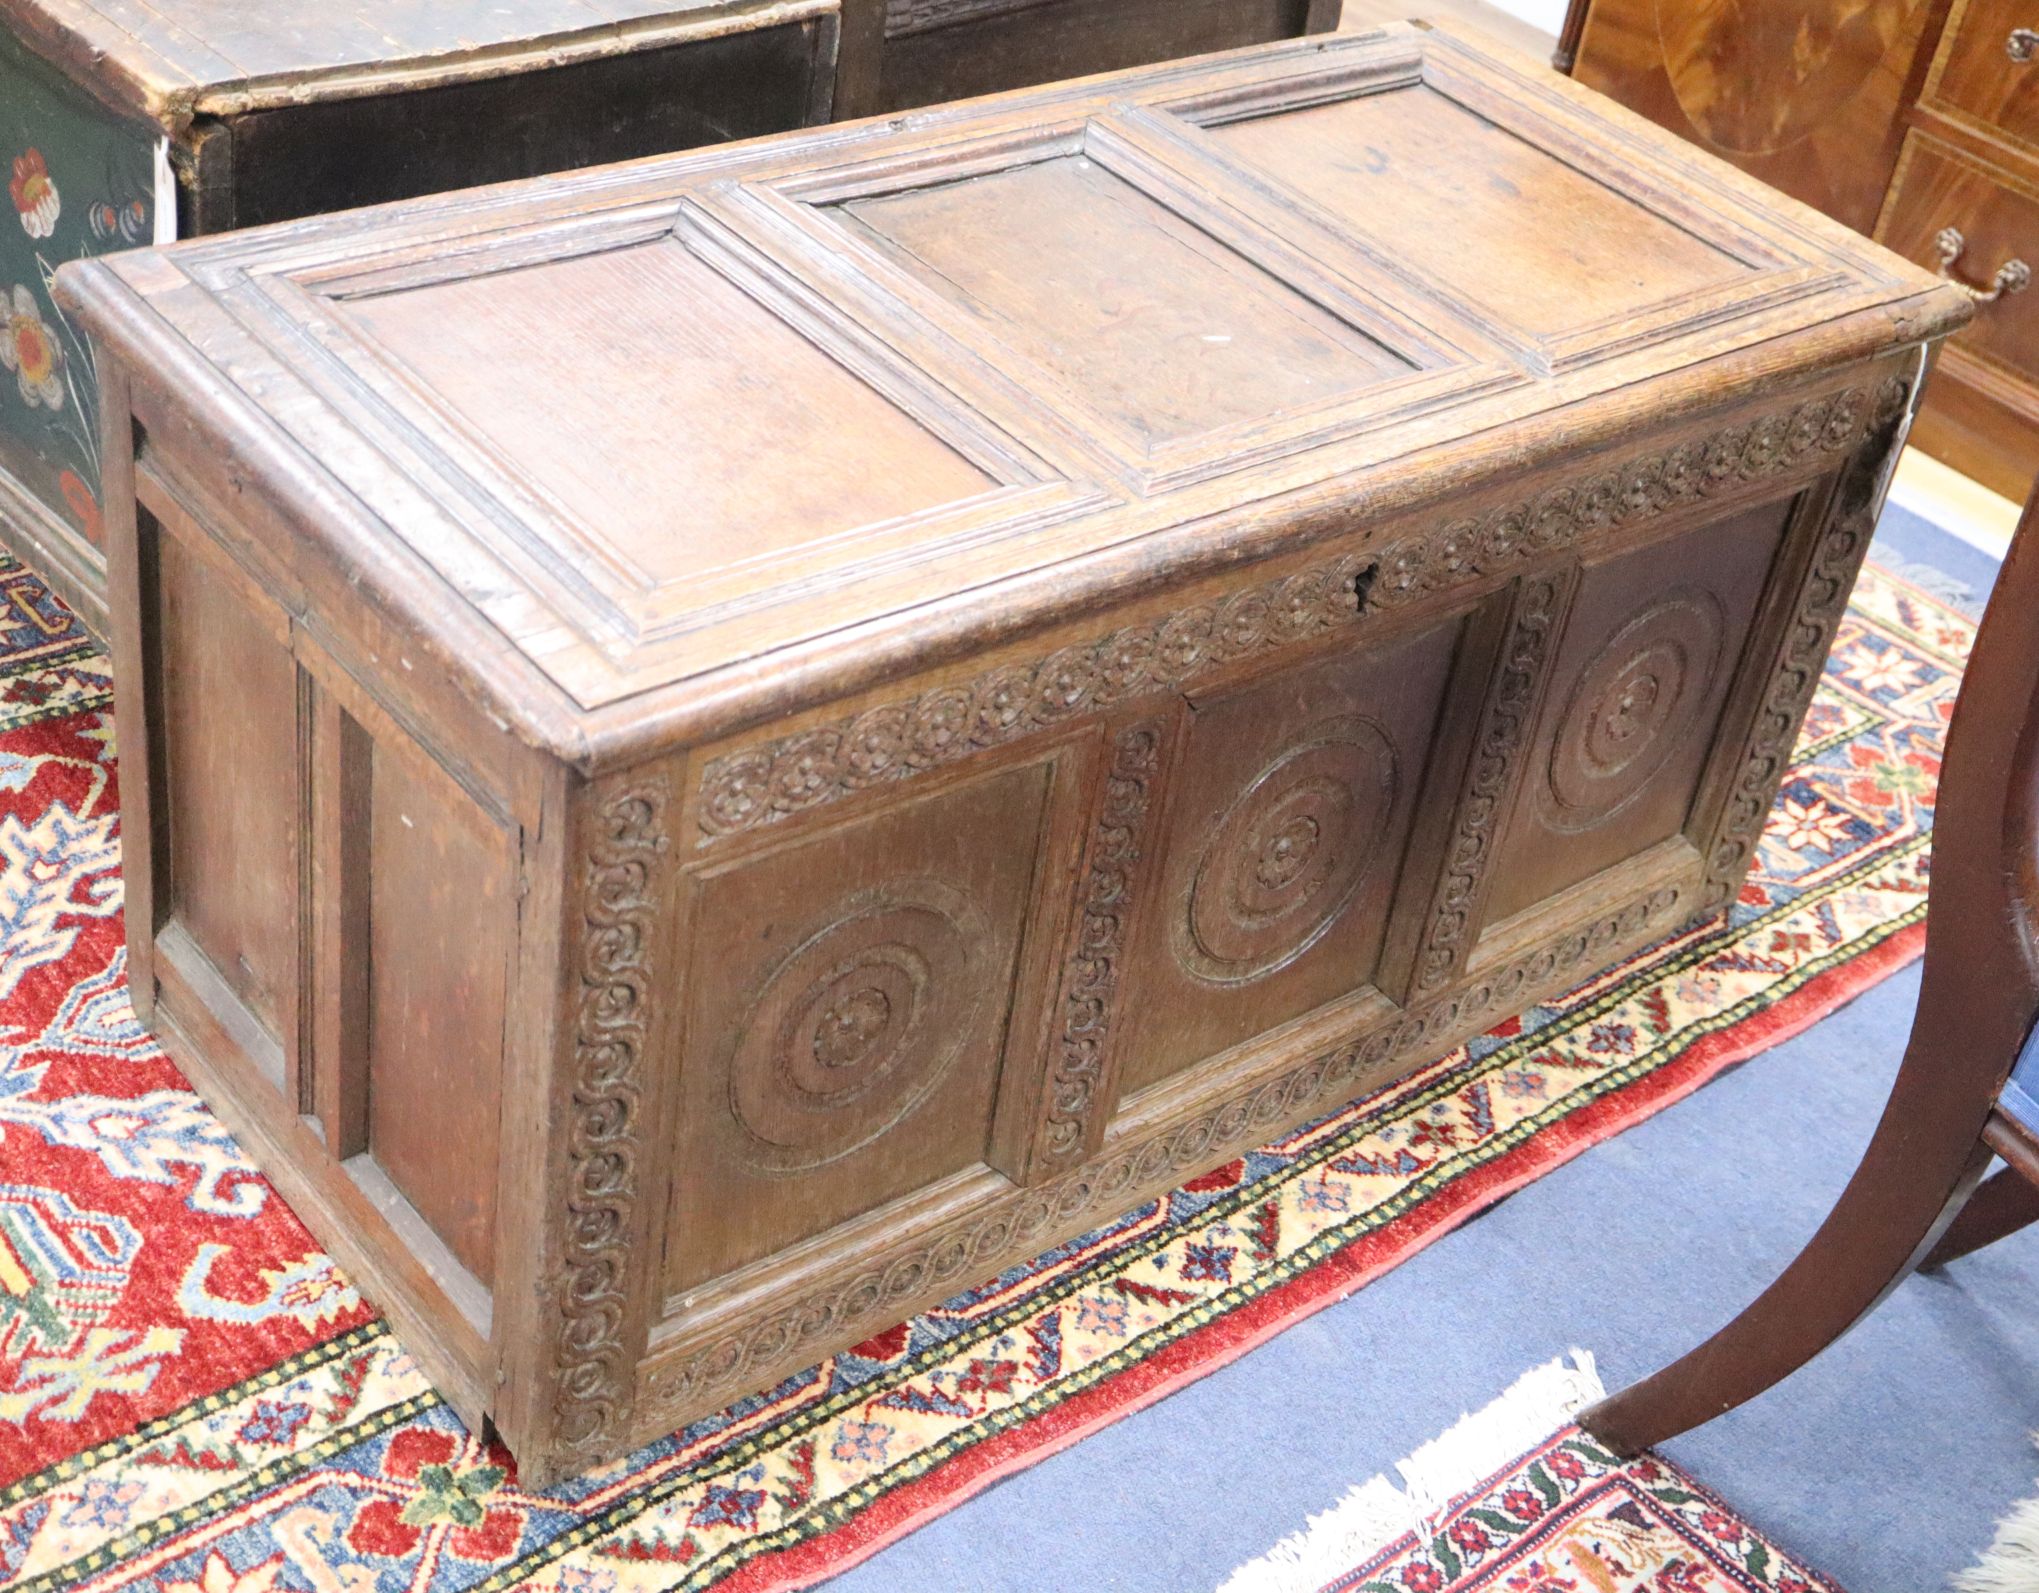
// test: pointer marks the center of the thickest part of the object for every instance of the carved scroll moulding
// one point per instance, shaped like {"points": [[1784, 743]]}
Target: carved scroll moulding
{"points": [[622, 887], [1117, 847]]}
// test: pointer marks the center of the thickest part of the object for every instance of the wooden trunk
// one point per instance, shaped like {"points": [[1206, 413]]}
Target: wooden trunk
{"points": [[137, 124], [717, 750]]}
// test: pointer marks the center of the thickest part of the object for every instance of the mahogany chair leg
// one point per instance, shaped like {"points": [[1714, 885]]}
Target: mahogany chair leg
{"points": [[1977, 1000], [2002, 1206], [1890, 1214]]}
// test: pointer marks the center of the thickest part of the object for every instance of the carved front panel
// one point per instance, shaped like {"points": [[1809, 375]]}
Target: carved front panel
{"points": [[850, 998], [1284, 846], [1648, 659]]}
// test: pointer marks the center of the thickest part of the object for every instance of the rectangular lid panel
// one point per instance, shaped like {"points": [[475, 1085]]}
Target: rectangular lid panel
{"points": [[674, 426], [1152, 323], [1462, 201]]}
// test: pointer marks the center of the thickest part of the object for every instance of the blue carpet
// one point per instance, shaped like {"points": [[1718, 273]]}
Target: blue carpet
{"points": [[1885, 1463]]}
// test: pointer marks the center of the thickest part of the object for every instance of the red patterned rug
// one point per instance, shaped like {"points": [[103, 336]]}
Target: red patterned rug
{"points": [[193, 1398], [1516, 1499]]}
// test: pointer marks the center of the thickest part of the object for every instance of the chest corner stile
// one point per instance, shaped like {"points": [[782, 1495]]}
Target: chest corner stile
{"points": [[1158, 643]]}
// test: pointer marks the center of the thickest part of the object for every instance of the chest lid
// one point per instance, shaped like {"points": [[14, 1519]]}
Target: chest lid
{"points": [[661, 427], [170, 60]]}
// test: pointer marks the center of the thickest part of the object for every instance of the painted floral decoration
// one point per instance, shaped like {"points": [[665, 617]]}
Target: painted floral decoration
{"points": [[118, 224], [83, 504], [35, 195], [30, 351]]}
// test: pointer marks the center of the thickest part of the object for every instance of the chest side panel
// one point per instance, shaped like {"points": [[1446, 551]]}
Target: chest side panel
{"points": [[79, 182]]}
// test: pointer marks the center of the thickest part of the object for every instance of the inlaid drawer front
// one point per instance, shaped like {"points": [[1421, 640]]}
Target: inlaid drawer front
{"points": [[848, 1014], [1988, 67], [1997, 217], [1290, 820], [1650, 651]]}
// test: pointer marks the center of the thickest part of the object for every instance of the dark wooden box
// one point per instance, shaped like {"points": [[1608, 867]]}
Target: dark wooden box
{"points": [[123, 124], [719, 749]]}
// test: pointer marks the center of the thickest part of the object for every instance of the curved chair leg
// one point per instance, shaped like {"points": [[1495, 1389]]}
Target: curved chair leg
{"points": [[1977, 998], [1997, 1210], [1891, 1213]]}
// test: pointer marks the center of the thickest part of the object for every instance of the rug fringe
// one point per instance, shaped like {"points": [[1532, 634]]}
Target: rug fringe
{"points": [[1377, 1512], [2011, 1562]]}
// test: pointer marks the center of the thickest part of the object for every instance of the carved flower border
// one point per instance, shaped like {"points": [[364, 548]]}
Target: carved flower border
{"points": [[777, 780]]}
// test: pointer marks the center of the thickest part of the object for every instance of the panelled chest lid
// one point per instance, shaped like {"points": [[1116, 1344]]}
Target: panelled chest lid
{"points": [[171, 60], [654, 436]]}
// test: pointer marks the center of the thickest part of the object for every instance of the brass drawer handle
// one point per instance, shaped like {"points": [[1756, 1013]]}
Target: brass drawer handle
{"points": [[2023, 44], [2013, 276]]}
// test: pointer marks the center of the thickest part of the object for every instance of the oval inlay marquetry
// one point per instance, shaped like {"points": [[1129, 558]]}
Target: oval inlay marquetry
{"points": [[1286, 858], [1631, 706], [1755, 79], [858, 1025]]}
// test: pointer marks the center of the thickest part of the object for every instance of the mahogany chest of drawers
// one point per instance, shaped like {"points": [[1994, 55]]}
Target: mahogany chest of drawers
{"points": [[718, 749], [1916, 121], [125, 124]]}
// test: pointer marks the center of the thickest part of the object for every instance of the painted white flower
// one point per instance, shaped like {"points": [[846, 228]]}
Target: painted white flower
{"points": [[35, 195], [30, 351]]}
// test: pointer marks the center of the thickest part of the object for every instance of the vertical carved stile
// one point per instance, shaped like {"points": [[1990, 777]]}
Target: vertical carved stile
{"points": [[1525, 657], [621, 876], [1090, 984], [1822, 600]]}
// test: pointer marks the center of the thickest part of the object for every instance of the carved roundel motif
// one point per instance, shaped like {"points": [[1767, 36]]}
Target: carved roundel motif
{"points": [[1288, 855], [1632, 705], [856, 1027], [1755, 79]]}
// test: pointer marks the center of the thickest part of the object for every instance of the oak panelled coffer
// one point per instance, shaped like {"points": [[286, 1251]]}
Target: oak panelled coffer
{"points": [[718, 749], [125, 123]]}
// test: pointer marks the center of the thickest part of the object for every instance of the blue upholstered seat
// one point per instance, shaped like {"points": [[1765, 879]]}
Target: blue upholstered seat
{"points": [[2020, 1099]]}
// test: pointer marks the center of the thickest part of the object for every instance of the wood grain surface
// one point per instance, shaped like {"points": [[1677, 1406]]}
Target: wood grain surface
{"points": [[731, 745]]}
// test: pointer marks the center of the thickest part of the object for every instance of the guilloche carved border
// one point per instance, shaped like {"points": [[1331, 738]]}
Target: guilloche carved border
{"points": [[780, 779], [620, 902], [1092, 980], [1823, 600], [1524, 656], [1634, 492]]}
